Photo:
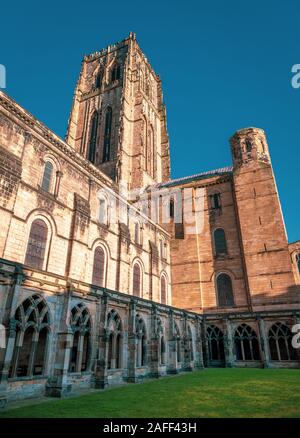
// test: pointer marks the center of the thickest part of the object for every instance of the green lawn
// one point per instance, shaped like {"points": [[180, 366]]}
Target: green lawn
{"points": [[208, 393]]}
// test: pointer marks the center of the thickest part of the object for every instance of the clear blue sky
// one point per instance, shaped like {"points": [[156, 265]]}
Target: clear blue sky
{"points": [[225, 65]]}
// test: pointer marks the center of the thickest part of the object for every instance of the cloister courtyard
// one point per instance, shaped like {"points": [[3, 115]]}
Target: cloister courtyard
{"points": [[211, 393]]}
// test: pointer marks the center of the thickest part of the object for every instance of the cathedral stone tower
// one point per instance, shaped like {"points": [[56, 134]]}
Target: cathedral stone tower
{"points": [[118, 119], [263, 235]]}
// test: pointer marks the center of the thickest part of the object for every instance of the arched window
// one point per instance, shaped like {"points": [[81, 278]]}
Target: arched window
{"points": [[141, 352], [178, 343], [137, 280], [99, 267], [172, 208], [98, 80], [298, 261], [224, 291], [215, 339], [93, 138], [115, 73], [80, 322], [220, 241], [248, 146], [32, 321], [47, 176], [215, 201], [36, 247], [115, 338], [246, 343], [280, 343], [163, 290], [107, 135]]}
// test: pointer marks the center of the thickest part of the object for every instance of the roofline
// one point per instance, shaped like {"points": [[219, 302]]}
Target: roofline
{"points": [[196, 177]]}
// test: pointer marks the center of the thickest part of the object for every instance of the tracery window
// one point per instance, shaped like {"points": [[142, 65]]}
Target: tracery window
{"points": [[215, 338], [246, 344], [115, 340], [141, 353], [32, 322], [80, 322], [280, 343]]}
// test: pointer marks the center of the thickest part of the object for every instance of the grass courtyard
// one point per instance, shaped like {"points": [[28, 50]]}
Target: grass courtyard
{"points": [[208, 393]]}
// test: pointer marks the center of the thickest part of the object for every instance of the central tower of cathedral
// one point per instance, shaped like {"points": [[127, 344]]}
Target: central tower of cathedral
{"points": [[118, 119]]}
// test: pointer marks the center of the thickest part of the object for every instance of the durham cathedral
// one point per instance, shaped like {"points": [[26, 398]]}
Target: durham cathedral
{"points": [[87, 303]]}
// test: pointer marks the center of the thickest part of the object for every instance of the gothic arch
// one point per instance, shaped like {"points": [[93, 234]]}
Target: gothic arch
{"points": [[224, 289], [100, 257], [32, 325], [81, 326], [246, 343], [141, 341], [280, 343], [134, 285], [93, 137], [163, 286], [41, 240], [114, 337], [107, 135], [49, 177], [215, 341]]}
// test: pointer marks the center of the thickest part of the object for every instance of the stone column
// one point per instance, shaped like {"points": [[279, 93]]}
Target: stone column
{"points": [[205, 349], [187, 365], [57, 384], [132, 342], [229, 345], [154, 345], [264, 343], [101, 375], [172, 360], [199, 351]]}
